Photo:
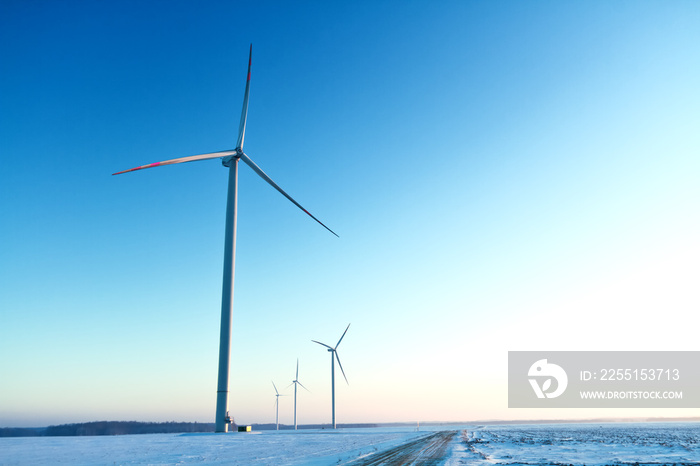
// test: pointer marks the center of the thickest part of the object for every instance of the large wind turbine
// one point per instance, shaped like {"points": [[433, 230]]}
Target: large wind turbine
{"points": [[229, 159], [296, 382], [334, 356], [277, 406]]}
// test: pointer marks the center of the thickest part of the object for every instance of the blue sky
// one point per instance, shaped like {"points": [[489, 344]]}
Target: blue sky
{"points": [[503, 176]]}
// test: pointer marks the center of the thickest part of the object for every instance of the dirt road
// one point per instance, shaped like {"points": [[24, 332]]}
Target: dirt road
{"points": [[428, 450]]}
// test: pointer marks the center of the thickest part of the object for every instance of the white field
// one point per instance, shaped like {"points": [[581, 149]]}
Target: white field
{"points": [[590, 444]]}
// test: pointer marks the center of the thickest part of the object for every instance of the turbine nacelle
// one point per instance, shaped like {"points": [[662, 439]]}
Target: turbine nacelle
{"points": [[226, 161]]}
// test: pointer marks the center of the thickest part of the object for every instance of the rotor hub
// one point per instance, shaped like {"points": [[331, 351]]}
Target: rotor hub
{"points": [[226, 161]]}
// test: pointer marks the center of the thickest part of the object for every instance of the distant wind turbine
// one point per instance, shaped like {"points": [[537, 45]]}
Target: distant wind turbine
{"points": [[277, 406], [334, 356], [296, 382], [229, 159]]}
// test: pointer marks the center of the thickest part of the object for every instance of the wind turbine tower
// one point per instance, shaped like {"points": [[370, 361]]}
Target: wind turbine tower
{"points": [[296, 382], [334, 356], [277, 406], [229, 159]]}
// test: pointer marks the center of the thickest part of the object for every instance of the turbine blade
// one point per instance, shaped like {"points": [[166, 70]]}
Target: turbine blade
{"points": [[297, 377], [273, 384], [192, 158], [244, 112], [264, 176], [341, 367], [290, 385], [304, 387], [343, 336], [323, 344]]}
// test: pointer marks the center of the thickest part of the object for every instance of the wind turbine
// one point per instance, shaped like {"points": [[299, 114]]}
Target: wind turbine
{"points": [[229, 159], [277, 406], [296, 382], [334, 356]]}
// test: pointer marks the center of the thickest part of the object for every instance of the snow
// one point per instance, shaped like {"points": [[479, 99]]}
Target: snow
{"points": [[308, 447], [590, 444]]}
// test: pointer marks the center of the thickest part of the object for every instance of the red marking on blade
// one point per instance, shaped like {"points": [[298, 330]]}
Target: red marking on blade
{"points": [[248, 75], [154, 164]]}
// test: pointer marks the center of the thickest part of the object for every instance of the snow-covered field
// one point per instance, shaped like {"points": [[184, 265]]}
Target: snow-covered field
{"points": [[590, 444], [312, 447]]}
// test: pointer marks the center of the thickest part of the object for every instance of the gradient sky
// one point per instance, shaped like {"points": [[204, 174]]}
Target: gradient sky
{"points": [[503, 176]]}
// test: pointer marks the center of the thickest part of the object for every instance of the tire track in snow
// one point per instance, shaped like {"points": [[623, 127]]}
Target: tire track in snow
{"points": [[428, 450]]}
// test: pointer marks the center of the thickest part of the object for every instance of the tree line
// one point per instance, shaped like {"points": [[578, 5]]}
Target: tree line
{"points": [[134, 427], [108, 428]]}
